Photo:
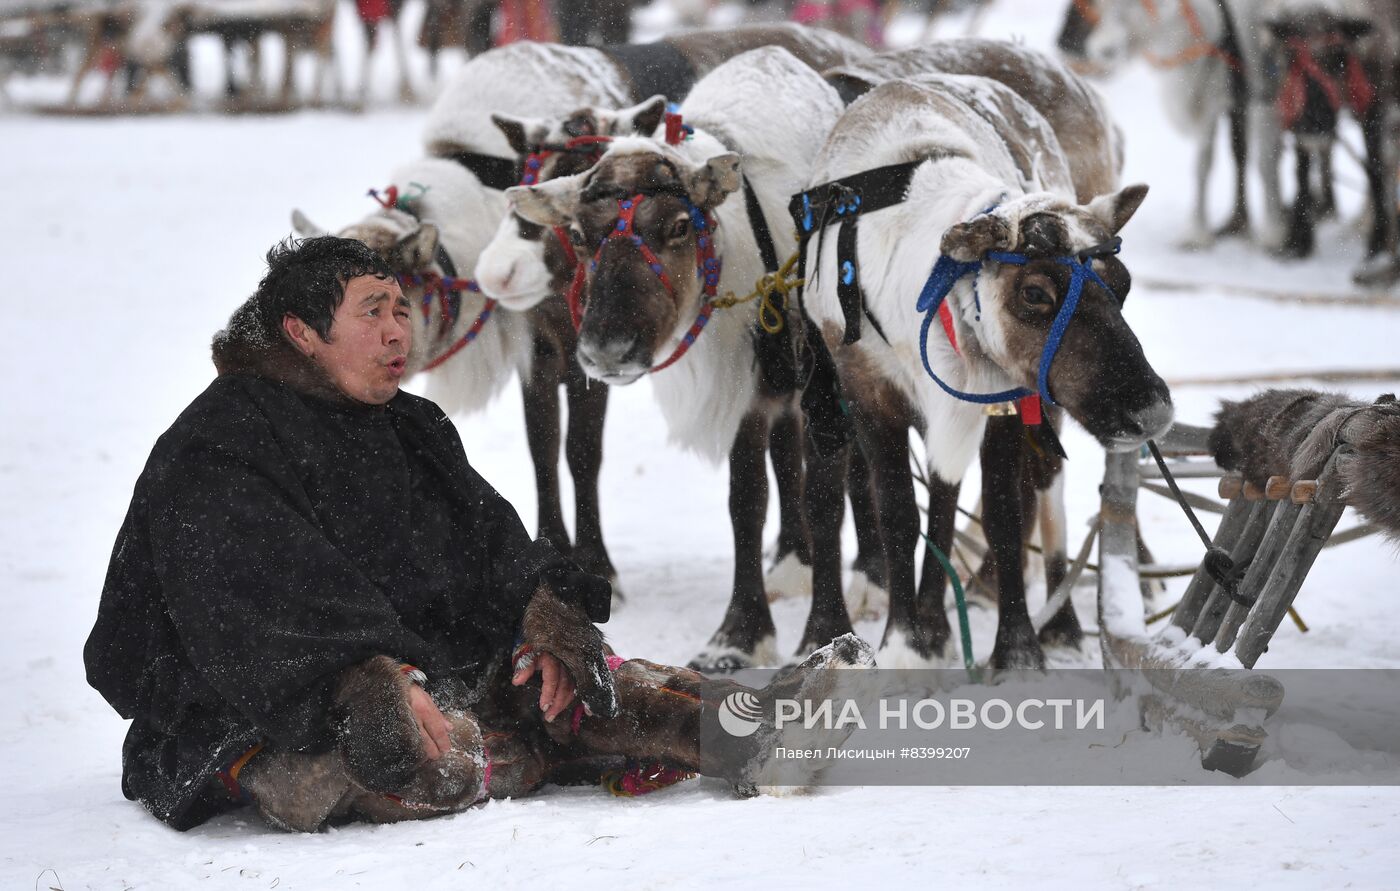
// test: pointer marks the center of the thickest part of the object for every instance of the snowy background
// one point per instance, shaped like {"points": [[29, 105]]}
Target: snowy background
{"points": [[128, 242]]}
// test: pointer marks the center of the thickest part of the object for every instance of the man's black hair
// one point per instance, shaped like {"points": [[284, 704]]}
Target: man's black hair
{"points": [[307, 278]]}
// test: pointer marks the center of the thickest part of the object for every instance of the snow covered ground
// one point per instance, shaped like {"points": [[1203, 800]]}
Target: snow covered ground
{"points": [[131, 241]]}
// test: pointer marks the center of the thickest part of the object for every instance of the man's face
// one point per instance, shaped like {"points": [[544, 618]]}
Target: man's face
{"points": [[370, 337]]}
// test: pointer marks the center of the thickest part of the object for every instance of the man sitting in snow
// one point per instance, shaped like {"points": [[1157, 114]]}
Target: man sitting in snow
{"points": [[314, 603]]}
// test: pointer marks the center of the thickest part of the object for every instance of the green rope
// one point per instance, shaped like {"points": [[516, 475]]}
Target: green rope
{"points": [[973, 673]]}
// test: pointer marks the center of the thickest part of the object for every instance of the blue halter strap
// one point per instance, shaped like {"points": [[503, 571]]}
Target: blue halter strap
{"points": [[947, 272]]}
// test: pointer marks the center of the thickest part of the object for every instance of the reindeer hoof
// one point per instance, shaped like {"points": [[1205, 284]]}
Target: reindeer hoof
{"points": [[723, 658], [907, 648]]}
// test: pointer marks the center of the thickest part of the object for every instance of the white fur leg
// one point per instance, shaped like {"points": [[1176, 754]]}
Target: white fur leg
{"points": [[864, 598], [790, 578], [895, 652]]}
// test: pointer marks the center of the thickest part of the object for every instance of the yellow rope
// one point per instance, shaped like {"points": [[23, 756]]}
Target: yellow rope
{"points": [[771, 316]]}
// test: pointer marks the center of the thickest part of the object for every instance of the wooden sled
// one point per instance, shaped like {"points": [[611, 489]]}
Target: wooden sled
{"points": [[1194, 674]]}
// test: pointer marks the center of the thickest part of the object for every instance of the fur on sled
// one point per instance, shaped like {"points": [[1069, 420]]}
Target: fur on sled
{"points": [[1293, 432]]}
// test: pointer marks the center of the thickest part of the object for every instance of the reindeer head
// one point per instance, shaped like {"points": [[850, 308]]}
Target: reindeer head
{"points": [[526, 262], [645, 284], [1030, 249]]}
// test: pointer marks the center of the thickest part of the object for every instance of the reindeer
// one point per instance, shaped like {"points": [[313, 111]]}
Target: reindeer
{"points": [[668, 234], [442, 212], [1093, 150], [526, 263], [1023, 300], [1213, 66], [1336, 59]]}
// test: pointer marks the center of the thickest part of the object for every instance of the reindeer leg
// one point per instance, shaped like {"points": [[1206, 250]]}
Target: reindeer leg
{"points": [[1002, 457], [1268, 152], [1380, 177], [825, 498], [1063, 629], [916, 633], [1326, 194], [583, 449], [1299, 242], [1239, 153], [1200, 236], [790, 575], [868, 596], [942, 520], [746, 635], [406, 94], [541, 393]]}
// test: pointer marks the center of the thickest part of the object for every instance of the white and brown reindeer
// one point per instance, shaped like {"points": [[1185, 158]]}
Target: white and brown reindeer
{"points": [[668, 230], [526, 263], [442, 210], [1092, 147], [977, 277]]}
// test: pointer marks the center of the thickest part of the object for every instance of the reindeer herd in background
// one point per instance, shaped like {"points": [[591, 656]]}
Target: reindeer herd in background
{"points": [[933, 231]]}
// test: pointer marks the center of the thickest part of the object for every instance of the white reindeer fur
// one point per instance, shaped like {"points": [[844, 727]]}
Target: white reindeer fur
{"points": [[776, 111], [535, 79], [478, 372], [900, 245]]}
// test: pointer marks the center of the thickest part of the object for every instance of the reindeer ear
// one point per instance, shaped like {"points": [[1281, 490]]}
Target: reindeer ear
{"points": [[1117, 208], [969, 242], [711, 184], [642, 119], [554, 203], [419, 248], [523, 134], [304, 227]]}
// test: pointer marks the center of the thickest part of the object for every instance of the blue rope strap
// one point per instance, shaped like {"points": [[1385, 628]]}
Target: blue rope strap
{"points": [[947, 272]]}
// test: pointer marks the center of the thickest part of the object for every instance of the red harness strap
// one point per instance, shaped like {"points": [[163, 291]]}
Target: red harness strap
{"points": [[707, 265], [1359, 91], [530, 175]]}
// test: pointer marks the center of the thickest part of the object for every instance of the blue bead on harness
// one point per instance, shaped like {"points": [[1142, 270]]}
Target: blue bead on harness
{"points": [[947, 272]]}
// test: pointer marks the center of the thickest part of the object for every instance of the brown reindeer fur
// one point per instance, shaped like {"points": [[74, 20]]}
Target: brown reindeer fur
{"points": [[562, 630], [1292, 433], [659, 718]]}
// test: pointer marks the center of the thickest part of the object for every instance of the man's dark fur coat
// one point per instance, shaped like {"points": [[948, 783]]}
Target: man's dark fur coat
{"points": [[280, 533]]}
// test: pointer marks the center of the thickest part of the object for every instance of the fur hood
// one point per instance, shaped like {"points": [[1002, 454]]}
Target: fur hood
{"points": [[244, 346]]}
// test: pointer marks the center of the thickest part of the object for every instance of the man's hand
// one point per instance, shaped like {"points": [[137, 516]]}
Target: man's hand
{"points": [[432, 726], [557, 688]]}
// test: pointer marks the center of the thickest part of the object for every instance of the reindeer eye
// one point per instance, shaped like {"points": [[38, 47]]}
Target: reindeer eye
{"points": [[576, 237], [680, 228], [1037, 296]]}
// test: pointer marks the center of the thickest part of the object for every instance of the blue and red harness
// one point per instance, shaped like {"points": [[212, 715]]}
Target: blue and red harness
{"points": [[947, 272]]}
